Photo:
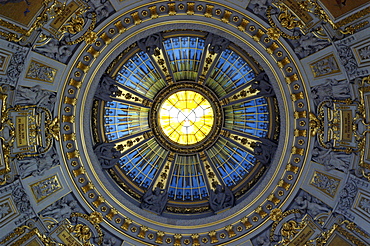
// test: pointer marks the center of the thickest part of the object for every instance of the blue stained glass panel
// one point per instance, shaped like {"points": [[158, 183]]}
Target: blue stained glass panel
{"points": [[142, 164], [123, 119], [230, 72], [139, 74], [232, 162], [184, 54], [250, 117], [187, 181]]}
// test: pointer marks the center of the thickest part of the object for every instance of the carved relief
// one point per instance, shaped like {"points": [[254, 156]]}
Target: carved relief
{"points": [[331, 159], [221, 198], [16, 66], [364, 204], [107, 89], [151, 45], [325, 66], [35, 96], [154, 200], [107, 154], [309, 44], [41, 72], [361, 205], [325, 183], [364, 52], [346, 197], [347, 59], [262, 240], [22, 202], [216, 43], [36, 166], [46, 187], [100, 8], [310, 204], [60, 210], [258, 6], [263, 86], [264, 150], [329, 90], [4, 61], [57, 50], [7, 210]]}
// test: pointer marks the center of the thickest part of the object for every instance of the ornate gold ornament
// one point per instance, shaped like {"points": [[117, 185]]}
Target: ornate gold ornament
{"points": [[315, 124], [74, 25], [276, 214], [22, 235], [274, 33], [345, 229], [90, 37], [26, 131], [53, 128], [314, 7], [84, 231], [67, 18], [343, 119], [288, 19], [361, 118], [289, 230]]}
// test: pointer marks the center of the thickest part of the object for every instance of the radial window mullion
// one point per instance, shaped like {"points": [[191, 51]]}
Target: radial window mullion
{"points": [[231, 71], [223, 154], [139, 74]]}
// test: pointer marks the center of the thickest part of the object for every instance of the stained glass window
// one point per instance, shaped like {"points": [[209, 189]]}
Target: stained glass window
{"points": [[186, 117], [187, 182], [185, 54], [140, 75], [231, 72], [142, 163], [250, 117], [122, 119], [231, 161], [188, 110]]}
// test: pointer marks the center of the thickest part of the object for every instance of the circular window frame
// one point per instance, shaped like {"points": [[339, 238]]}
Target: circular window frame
{"points": [[165, 141], [186, 119]]}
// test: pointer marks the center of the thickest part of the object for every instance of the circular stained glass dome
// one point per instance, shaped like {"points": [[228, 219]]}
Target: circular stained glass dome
{"points": [[190, 125], [186, 117]]}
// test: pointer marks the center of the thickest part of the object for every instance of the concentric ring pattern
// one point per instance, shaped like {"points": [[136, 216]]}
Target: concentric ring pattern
{"points": [[214, 148]]}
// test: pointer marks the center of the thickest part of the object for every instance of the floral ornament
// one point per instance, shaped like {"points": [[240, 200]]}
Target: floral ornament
{"points": [[82, 232], [95, 217], [273, 33], [289, 230], [90, 37], [90, 227], [276, 214]]}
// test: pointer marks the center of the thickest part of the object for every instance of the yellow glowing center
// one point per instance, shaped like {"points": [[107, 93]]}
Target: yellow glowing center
{"points": [[186, 117]]}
